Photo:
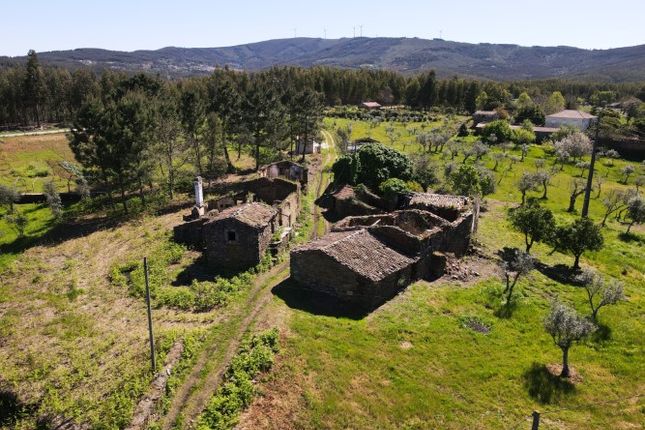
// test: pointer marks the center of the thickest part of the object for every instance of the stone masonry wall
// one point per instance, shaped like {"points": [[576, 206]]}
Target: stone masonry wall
{"points": [[242, 253]]}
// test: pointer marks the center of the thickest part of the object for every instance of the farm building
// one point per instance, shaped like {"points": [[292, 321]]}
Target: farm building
{"points": [[368, 259], [309, 147], [353, 265], [238, 237], [485, 116], [286, 169], [579, 119], [371, 105], [239, 227]]}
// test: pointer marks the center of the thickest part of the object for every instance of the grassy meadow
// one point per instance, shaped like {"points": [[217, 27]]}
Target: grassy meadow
{"points": [[415, 363], [74, 344]]}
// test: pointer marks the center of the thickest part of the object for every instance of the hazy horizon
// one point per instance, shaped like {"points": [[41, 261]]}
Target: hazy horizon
{"points": [[307, 37], [149, 25]]}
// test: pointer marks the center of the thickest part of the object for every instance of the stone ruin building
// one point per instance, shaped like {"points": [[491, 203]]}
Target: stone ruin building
{"points": [[288, 170], [367, 259], [235, 230]]}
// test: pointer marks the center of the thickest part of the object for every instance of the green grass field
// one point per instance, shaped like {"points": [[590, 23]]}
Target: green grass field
{"points": [[412, 364], [74, 344]]}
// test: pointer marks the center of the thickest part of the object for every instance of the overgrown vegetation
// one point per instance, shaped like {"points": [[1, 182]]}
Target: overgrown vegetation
{"points": [[198, 296], [256, 355]]}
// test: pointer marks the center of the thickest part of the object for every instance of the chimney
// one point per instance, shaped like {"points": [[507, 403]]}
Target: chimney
{"points": [[199, 196]]}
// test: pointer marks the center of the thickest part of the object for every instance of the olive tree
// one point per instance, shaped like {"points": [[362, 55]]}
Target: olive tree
{"points": [[600, 292], [8, 196], [576, 238], [566, 327], [635, 211], [576, 188], [534, 221], [576, 145], [613, 201], [53, 199], [627, 172], [519, 265], [527, 182]]}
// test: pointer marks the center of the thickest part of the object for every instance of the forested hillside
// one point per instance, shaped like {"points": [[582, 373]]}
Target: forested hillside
{"points": [[406, 55]]}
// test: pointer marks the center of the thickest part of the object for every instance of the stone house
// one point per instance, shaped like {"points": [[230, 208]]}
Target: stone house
{"points": [[484, 116], [286, 169], [352, 265], [579, 119], [239, 227], [238, 237], [367, 259]]}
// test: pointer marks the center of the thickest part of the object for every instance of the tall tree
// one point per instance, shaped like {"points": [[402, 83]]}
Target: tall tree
{"points": [[34, 85], [262, 114]]}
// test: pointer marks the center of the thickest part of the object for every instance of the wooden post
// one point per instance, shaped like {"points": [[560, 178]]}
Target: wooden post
{"points": [[150, 334], [592, 165], [536, 420]]}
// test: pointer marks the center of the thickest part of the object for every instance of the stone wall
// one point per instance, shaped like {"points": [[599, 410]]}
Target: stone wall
{"points": [[319, 272], [190, 233], [234, 246]]}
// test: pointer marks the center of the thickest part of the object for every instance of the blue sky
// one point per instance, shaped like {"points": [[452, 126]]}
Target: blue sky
{"points": [[146, 24]]}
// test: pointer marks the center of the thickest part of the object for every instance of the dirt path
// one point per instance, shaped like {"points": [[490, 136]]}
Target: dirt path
{"points": [[322, 183], [192, 396], [35, 133]]}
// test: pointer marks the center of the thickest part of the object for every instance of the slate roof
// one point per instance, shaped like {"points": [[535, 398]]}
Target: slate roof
{"points": [[571, 114], [254, 214], [361, 252]]}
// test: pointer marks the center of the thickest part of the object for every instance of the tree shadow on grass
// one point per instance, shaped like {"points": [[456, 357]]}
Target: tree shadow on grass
{"points": [[560, 272], [200, 271], [505, 310], [545, 387], [631, 237], [603, 333], [12, 408], [316, 303]]}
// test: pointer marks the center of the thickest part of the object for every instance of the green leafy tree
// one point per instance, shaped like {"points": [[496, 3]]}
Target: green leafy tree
{"points": [[524, 101], [535, 222], [566, 327], [555, 103], [500, 129], [424, 170], [635, 211], [34, 87], [263, 115], [576, 238], [465, 181], [371, 165]]}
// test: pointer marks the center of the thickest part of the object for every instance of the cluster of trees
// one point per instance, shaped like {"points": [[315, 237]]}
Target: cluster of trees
{"points": [[32, 93], [138, 129]]}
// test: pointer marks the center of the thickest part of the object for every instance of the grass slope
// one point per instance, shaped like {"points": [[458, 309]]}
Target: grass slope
{"points": [[413, 364]]}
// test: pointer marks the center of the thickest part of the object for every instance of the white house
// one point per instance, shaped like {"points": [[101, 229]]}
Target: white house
{"points": [[576, 118]]}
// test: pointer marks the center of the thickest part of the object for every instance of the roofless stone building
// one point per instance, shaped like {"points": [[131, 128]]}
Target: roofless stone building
{"points": [[368, 259]]}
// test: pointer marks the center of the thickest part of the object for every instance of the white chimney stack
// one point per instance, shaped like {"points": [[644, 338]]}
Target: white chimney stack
{"points": [[199, 193]]}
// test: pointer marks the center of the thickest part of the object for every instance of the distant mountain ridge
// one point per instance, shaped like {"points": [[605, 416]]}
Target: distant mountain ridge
{"points": [[406, 55]]}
